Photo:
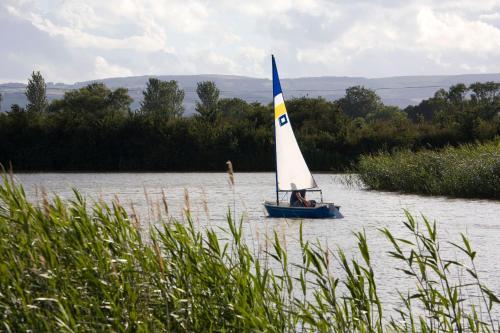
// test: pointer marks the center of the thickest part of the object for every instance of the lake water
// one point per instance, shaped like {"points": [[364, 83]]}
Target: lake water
{"points": [[211, 196]]}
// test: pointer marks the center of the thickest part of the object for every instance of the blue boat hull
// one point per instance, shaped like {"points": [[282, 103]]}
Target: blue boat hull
{"points": [[321, 211]]}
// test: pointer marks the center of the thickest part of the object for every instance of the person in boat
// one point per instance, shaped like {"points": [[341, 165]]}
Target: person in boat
{"points": [[298, 199]]}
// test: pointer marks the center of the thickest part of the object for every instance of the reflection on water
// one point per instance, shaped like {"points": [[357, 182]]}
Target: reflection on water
{"points": [[211, 197]]}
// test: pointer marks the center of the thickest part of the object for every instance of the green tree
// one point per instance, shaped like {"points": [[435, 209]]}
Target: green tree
{"points": [[359, 101], [18, 116], [1, 101], [386, 113], [457, 93], [487, 92], [208, 93], [233, 108], [429, 109], [15, 109], [36, 93], [162, 100], [119, 101], [485, 100], [92, 104]]}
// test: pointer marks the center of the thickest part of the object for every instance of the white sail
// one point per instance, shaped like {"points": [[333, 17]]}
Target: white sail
{"points": [[291, 168]]}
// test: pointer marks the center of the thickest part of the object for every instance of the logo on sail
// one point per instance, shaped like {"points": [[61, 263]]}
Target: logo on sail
{"points": [[283, 120]]}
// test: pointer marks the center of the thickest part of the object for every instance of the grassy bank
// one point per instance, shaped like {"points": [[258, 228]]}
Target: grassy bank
{"points": [[69, 266], [471, 170]]}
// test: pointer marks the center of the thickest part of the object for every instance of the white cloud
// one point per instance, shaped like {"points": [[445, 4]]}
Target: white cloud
{"points": [[443, 32], [446, 42], [464, 5], [78, 15], [103, 69], [279, 7], [491, 17], [309, 37], [149, 41]]}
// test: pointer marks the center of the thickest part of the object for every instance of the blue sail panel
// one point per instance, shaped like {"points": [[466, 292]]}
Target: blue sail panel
{"points": [[276, 79]]}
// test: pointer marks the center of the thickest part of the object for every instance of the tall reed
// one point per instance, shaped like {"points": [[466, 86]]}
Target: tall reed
{"points": [[70, 266], [471, 170]]}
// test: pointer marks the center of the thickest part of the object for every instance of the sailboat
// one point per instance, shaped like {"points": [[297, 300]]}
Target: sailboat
{"points": [[292, 173]]}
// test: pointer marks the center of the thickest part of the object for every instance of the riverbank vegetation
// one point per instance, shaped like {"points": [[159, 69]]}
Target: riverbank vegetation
{"points": [[471, 170], [94, 129], [71, 266]]}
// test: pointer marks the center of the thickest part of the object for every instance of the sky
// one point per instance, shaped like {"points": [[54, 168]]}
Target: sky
{"points": [[76, 40]]}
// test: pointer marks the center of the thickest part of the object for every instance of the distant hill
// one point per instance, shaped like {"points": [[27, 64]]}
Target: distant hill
{"points": [[399, 90]]}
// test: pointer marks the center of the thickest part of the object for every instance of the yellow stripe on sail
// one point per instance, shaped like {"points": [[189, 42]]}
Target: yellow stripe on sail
{"points": [[279, 110]]}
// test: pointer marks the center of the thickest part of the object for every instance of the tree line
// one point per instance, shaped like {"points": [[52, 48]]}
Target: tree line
{"points": [[94, 129]]}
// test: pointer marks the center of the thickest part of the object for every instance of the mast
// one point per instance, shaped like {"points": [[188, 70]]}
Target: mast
{"points": [[275, 145]]}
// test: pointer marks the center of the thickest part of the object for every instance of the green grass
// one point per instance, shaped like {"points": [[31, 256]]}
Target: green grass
{"points": [[69, 266], [471, 170]]}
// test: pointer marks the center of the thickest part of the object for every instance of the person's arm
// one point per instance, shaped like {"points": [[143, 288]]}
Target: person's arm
{"points": [[303, 200]]}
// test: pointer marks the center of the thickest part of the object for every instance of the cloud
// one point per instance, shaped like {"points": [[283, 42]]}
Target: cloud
{"points": [[309, 37], [150, 40], [443, 32], [103, 69], [490, 17], [438, 42]]}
